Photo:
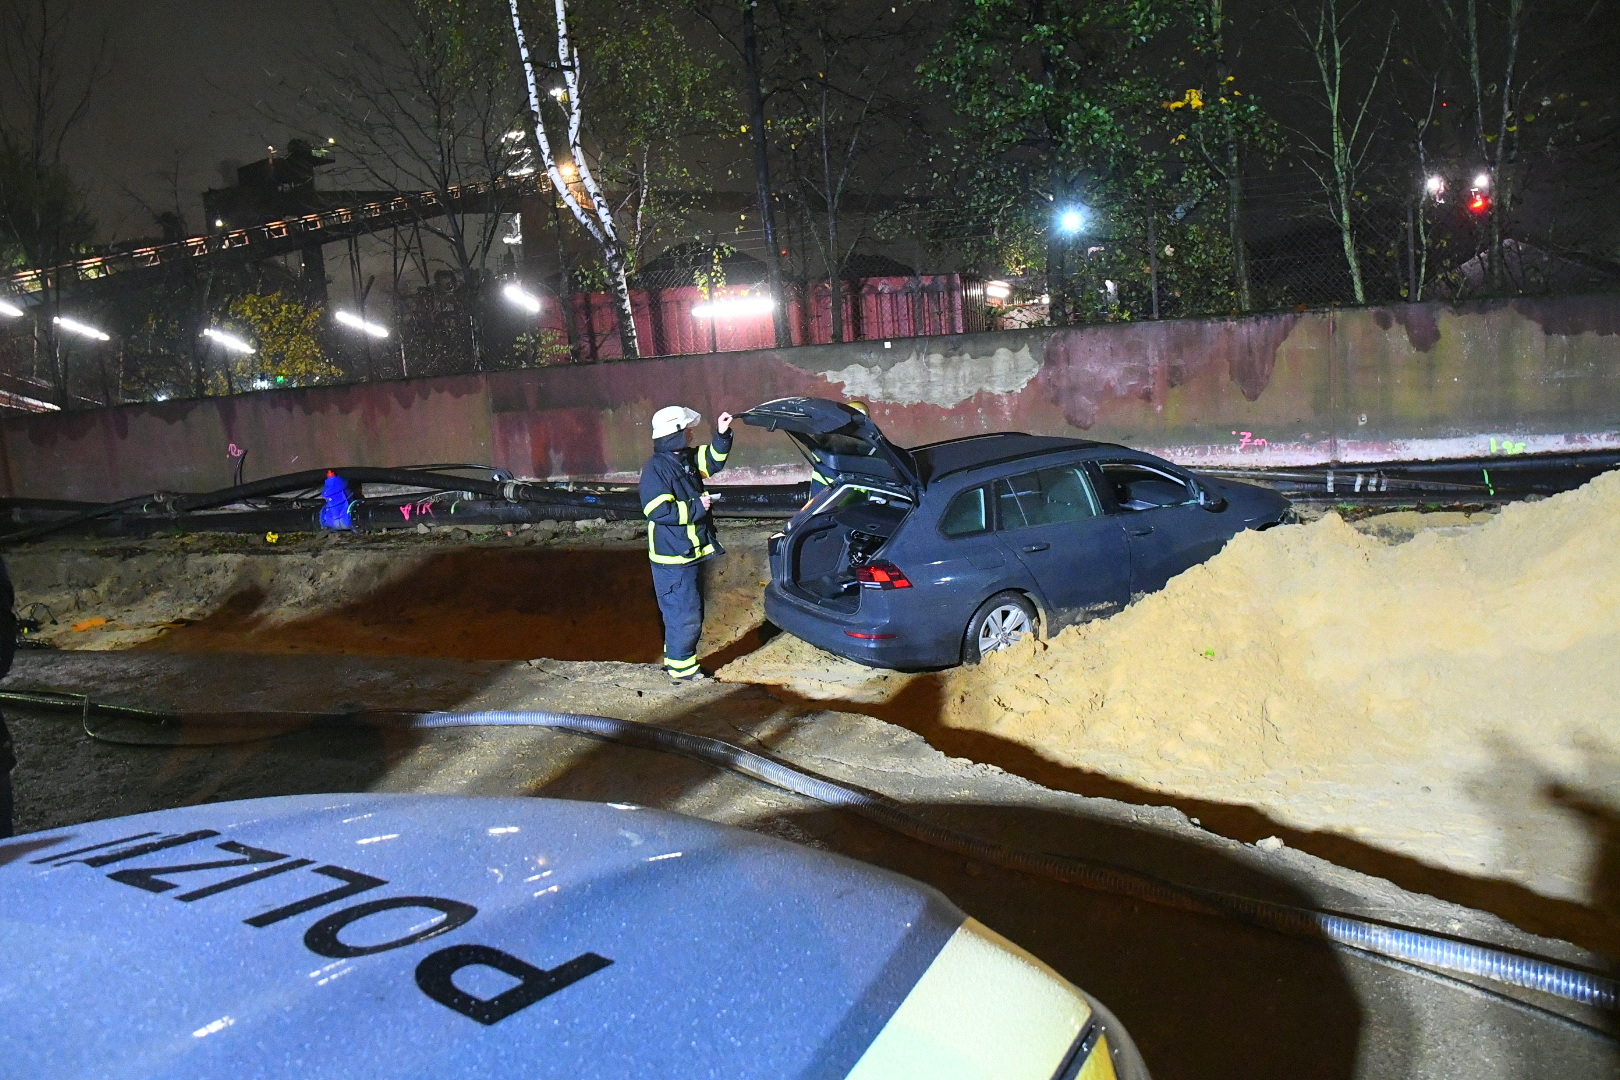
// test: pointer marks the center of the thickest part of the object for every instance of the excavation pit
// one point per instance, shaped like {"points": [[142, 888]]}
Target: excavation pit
{"points": [[577, 596]]}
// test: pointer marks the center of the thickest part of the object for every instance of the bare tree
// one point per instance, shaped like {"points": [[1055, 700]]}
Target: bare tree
{"points": [[419, 99], [1338, 157], [1500, 57], [578, 187], [1418, 106], [842, 93], [43, 220], [1493, 105]]}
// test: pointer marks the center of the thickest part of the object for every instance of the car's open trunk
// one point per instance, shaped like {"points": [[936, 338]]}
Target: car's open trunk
{"points": [[849, 532]]}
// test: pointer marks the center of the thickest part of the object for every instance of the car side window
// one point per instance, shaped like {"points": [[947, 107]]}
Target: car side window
{"points": [[1140, 487], [1049, 496], [967, 514]]}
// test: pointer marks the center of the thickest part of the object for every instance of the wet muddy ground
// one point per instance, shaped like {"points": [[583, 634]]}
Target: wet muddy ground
{"points": [[563, 619]]}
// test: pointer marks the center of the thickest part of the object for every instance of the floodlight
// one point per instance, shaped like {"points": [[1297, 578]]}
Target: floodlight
{"points": [[1071, 221], [355, 322], [1483, 180], [997, 290], [527, 301], [228, 341], [74, 326], [10, 310], [733, 307]]}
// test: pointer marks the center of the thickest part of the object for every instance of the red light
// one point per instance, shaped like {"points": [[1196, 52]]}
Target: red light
{"points": [[868, 637], [1479, 202], [881, 575]]}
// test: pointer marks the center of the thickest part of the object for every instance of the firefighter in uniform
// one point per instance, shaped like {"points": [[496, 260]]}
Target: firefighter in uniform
{"points": [[680, 530]]}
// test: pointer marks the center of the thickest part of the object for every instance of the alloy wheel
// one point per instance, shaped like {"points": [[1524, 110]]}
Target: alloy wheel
{"points": [[1002, 627]]}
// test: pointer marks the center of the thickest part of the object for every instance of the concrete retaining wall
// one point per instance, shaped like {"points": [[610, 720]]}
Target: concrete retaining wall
{"points": [[1405, 382]]}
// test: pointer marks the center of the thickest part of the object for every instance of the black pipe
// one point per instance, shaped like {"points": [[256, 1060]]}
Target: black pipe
{"points": [[1377, 941], [603, 500]]}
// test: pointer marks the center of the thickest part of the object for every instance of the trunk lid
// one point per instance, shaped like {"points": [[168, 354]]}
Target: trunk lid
{"points": [[837, 439]]}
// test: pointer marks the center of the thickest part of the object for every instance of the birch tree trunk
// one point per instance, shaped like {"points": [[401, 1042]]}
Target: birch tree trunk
{"points": [[588, 205]]}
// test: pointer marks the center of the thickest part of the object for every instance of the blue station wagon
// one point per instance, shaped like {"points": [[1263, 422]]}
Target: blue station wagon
{"points": [[935, 555]]}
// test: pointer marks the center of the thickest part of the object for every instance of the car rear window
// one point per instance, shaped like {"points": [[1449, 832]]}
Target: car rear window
{"points": [[1139, 487], [967, 514], [1049, 496]]}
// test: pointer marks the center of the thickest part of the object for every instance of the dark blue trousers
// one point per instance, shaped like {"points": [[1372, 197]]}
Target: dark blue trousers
{"points": [[680, 602]]}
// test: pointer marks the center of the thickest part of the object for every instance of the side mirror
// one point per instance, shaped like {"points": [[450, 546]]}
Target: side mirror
{"points": [[1209, 497]]}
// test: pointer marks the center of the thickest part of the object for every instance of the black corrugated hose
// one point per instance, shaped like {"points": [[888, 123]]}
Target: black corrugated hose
{"points": [[1412, 951]]}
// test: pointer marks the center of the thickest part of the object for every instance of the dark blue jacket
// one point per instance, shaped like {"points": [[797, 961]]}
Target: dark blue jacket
{"points": [[679, 529]]}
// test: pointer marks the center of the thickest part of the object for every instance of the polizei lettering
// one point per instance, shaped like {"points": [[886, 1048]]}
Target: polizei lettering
{"points": [[324, 936]]}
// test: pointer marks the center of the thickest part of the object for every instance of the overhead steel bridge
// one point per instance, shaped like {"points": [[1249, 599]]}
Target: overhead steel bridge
{"points": [[266, 240]]}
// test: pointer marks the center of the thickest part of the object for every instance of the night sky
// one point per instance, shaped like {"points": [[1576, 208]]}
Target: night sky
{"points": [[186, 81]]}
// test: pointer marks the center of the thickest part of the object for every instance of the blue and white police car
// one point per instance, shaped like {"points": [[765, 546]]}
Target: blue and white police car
{"points": [[348, 936]]}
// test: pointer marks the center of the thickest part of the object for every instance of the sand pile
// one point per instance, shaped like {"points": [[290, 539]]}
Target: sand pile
{"points": [[1320, 646], [1451, 696]]}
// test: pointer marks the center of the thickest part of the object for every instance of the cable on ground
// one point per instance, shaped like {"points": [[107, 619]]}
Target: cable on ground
{"points": [[1401, 946]]}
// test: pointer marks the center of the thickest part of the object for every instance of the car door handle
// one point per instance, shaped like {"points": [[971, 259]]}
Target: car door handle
{"points": [[1143, 531], [1036, 547]]}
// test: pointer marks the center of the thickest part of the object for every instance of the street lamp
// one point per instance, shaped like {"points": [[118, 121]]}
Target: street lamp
{"points": [[74, 326], [355, 322], [515, 294], [1482, 181], [1071, 221], [1435, 186], [228, 341]]}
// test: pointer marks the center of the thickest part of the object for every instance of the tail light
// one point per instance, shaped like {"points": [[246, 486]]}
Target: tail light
{"points": [[881, 575]]}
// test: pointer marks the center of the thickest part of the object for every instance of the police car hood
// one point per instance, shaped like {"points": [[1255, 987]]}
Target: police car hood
{"points": [[400, 935]]}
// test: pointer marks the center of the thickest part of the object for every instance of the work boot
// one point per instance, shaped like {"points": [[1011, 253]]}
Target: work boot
{"points": [[698, 676]]}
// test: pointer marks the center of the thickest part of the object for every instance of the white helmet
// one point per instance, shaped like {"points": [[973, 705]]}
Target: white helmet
{"points": [[672, 418]]}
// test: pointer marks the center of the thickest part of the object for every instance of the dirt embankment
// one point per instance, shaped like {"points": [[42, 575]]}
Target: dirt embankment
{"points": [[1450, 694], [564, 591]]}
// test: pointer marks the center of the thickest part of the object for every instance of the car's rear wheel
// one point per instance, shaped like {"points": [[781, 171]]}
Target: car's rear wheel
{"points": [[1001, 621]]}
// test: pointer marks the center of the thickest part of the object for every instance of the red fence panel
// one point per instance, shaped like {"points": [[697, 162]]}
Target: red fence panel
{"points": [[874, 308]]}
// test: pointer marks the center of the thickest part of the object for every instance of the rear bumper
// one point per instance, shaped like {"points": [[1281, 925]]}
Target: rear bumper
{"points": [[831, 631]]}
